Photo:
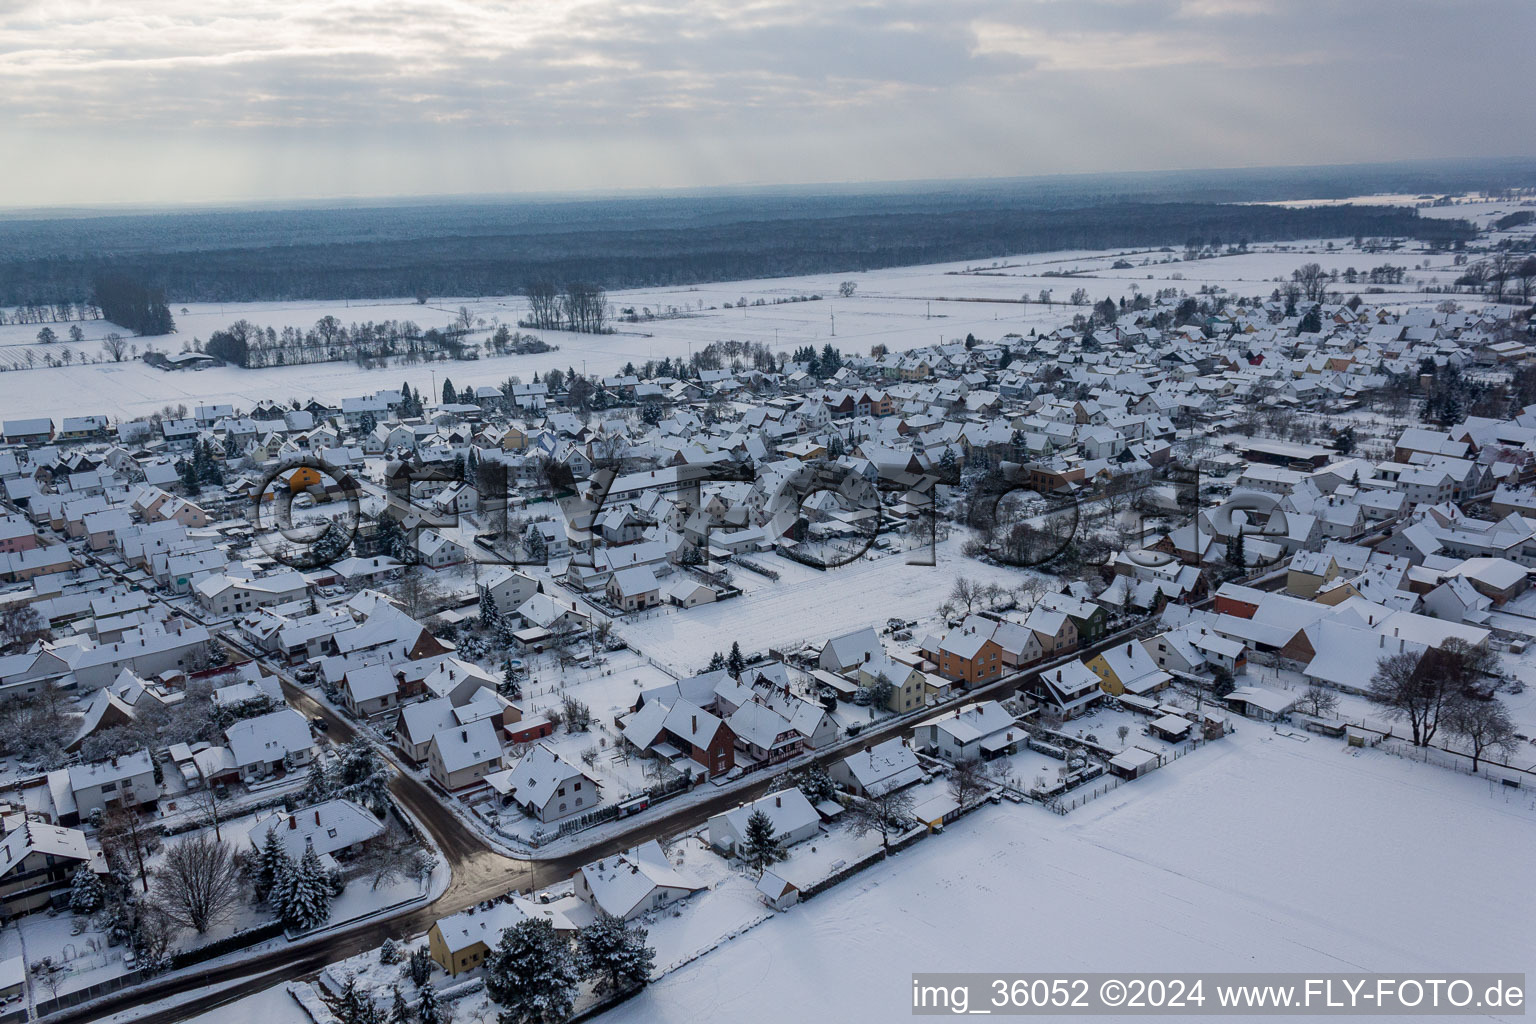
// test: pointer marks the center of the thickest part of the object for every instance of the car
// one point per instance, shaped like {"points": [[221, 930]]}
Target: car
{"points": [[130, 959], [320, 724], [221, 791]]}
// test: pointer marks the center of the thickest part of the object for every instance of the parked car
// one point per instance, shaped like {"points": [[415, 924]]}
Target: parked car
{"points": [[320, 724]]}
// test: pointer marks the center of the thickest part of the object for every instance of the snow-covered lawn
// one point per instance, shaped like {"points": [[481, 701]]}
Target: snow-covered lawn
{"points": [[807, 606], [1262, 853]]}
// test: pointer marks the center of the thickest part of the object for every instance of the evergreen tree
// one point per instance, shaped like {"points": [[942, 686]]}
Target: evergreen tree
{"points": [[510, 688], [400, 1010], [449, 395], [361, 774], [716, 662], [617, 957], [188, 476], [306, 899], [275, 865], [317, 789], [760, 846], [532, 975], [488, 612], [86, 891], [389, 952], [430, 1008], [350, 1007], [418, 966], [735, 663], [1236, 555]]}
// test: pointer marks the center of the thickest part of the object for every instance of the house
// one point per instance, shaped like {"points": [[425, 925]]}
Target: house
{"points": [[462, 942], [370, 690], [547, 786], [461, 756], [908, 686], [1069, 689], [507, 588], [878, 769], [634, 589], [978, 731], [38, 860], [267, 744], [844, 653], [330, 828], [1128, 669], [633, 882], [28, 431], [673, 727], [126, 781], [223, 595], [794, 820], [968, 653]]}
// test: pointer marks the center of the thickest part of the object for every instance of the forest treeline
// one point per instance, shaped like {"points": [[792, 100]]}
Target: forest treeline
{"points": [[611, 252]]}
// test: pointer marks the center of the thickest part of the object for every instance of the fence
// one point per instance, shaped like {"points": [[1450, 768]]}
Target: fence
{"points": [[77, 997], [1062, 805]]}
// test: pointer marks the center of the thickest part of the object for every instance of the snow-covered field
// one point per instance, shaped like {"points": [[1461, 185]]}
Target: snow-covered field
{"points": [[809, 605], [1262, 853], [901, 308]]}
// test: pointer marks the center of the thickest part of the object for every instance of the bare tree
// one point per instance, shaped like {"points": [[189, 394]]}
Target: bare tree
{"points": [[967, 781], [966, 592], [888, 814], [199, 886], [1312, 279], [1485, 725], [847, 288], [115, 345], [389, 856], [1423, 688], [1318, 701], [418, 592], [127, 843]]}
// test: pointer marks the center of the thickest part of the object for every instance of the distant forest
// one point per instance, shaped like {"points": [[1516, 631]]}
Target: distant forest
{"points": [[500, 247]]}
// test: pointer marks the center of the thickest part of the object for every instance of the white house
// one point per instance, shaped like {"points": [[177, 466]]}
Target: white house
{"points": [[632, 883], [879, 769], [260, 745], [793, 818]]}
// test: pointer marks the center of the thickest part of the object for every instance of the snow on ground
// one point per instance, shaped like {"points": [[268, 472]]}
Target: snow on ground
{"points": [[1199, 866], [269, 1006], [900, 307], [807, 605]]}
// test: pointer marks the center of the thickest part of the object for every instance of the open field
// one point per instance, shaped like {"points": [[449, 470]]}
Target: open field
{"points": [[1258, 853], [900, 308]]}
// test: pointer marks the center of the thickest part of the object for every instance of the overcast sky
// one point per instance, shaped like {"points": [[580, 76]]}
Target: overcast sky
{"points": [[193, 100]]}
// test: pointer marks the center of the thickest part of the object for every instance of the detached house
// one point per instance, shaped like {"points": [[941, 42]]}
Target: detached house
{"points": [[546, 786]]}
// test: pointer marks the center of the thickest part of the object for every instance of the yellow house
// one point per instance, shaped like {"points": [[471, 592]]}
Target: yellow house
{"points": [[463, 941], [908, 686], [1307, 572], [303, 478], [514, 439], [1128, 668]]}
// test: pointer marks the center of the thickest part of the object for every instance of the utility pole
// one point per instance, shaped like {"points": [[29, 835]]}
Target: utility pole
{"points": [[834, 322]]}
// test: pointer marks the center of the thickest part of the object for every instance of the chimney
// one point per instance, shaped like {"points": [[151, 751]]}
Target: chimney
{"points": [[464, 735], [778, 801], [317, 815], [695, 723], [293, 823], [1381, 641]]}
